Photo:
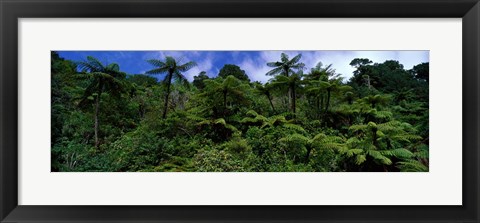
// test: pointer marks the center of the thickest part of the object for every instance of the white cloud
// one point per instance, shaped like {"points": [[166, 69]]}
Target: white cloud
{"points": [[255, 70], [204, 63]]}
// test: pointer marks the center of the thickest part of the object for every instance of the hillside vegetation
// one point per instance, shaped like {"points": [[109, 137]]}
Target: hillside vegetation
{"points": [[301, 120]]}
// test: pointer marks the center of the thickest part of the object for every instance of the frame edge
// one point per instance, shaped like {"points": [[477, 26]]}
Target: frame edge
{"points": [[9, 109]]}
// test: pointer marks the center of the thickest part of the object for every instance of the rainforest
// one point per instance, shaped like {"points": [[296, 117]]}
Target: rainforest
{"points": [[300, 117]]}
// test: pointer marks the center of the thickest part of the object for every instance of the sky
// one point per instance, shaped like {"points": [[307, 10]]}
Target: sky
{"points": [[253, 62]]}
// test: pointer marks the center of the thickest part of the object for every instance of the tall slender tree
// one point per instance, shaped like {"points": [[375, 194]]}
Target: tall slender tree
{"points": [[286, 67], [265, 90], [173, 70], [313, 80], [103, 78], [224, 88], [321, 72], [293, 82], [323, 80], [375, 100], [333, 86], [319, 142]]}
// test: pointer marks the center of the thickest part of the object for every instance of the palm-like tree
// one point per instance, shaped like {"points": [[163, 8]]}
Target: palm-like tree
{"points": [[293, 82], [321, 72], [319, 141], [380, 142], [218, 124], [333, 86], [286, 67], [104, 78], [349, 97], [173, 70], [224, 88], [266, 90], [323, 79], [375, 100]]}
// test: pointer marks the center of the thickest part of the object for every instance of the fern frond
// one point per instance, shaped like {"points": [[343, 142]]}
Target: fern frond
{"points": [[342, 150], [360, 159], [356, 128], [391, 124], [248, 119], [294, 127], [294, 138], [406, 137], [377, 155], [195, 118], [352, 152], [319, 137], [412, 166], [399, 153], [422, 152], [220, 121], [383, 114], [252, 113], [231, 127], [332, 146], [204, 122]]}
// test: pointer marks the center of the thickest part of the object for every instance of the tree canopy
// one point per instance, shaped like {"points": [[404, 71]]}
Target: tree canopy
{"points": [[234, 70]]}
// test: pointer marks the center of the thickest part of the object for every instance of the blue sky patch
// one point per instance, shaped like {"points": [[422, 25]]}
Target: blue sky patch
{"points": [[253, 62]]}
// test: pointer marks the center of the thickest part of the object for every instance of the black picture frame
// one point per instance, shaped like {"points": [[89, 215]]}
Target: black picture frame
{"points": [[11, 11]]}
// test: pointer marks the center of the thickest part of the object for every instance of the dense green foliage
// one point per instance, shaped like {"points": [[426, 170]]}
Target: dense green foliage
{"points": [[301, 120]]}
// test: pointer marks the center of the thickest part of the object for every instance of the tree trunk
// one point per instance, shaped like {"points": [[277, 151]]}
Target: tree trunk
{"points": [[224, 102], [289, 89], [141, 110], [375, 138], [307, 156], [165, 108], [97, 108], [319, 108], [271, 104], [321, 103], [290, 95], [293, 101], [368, 82], [181, 101], [328, 101]]}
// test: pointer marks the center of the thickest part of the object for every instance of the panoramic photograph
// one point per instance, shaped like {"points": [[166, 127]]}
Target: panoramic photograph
{"points": [[240, 111]]}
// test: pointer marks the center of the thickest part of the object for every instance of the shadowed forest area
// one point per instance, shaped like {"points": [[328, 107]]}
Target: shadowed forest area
{"points": [[301, 120]]}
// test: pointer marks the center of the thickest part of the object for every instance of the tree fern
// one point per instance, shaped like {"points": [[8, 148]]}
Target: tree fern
{"points": [[219, 125], [383, 142], [173, 71], [319, 141]]}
